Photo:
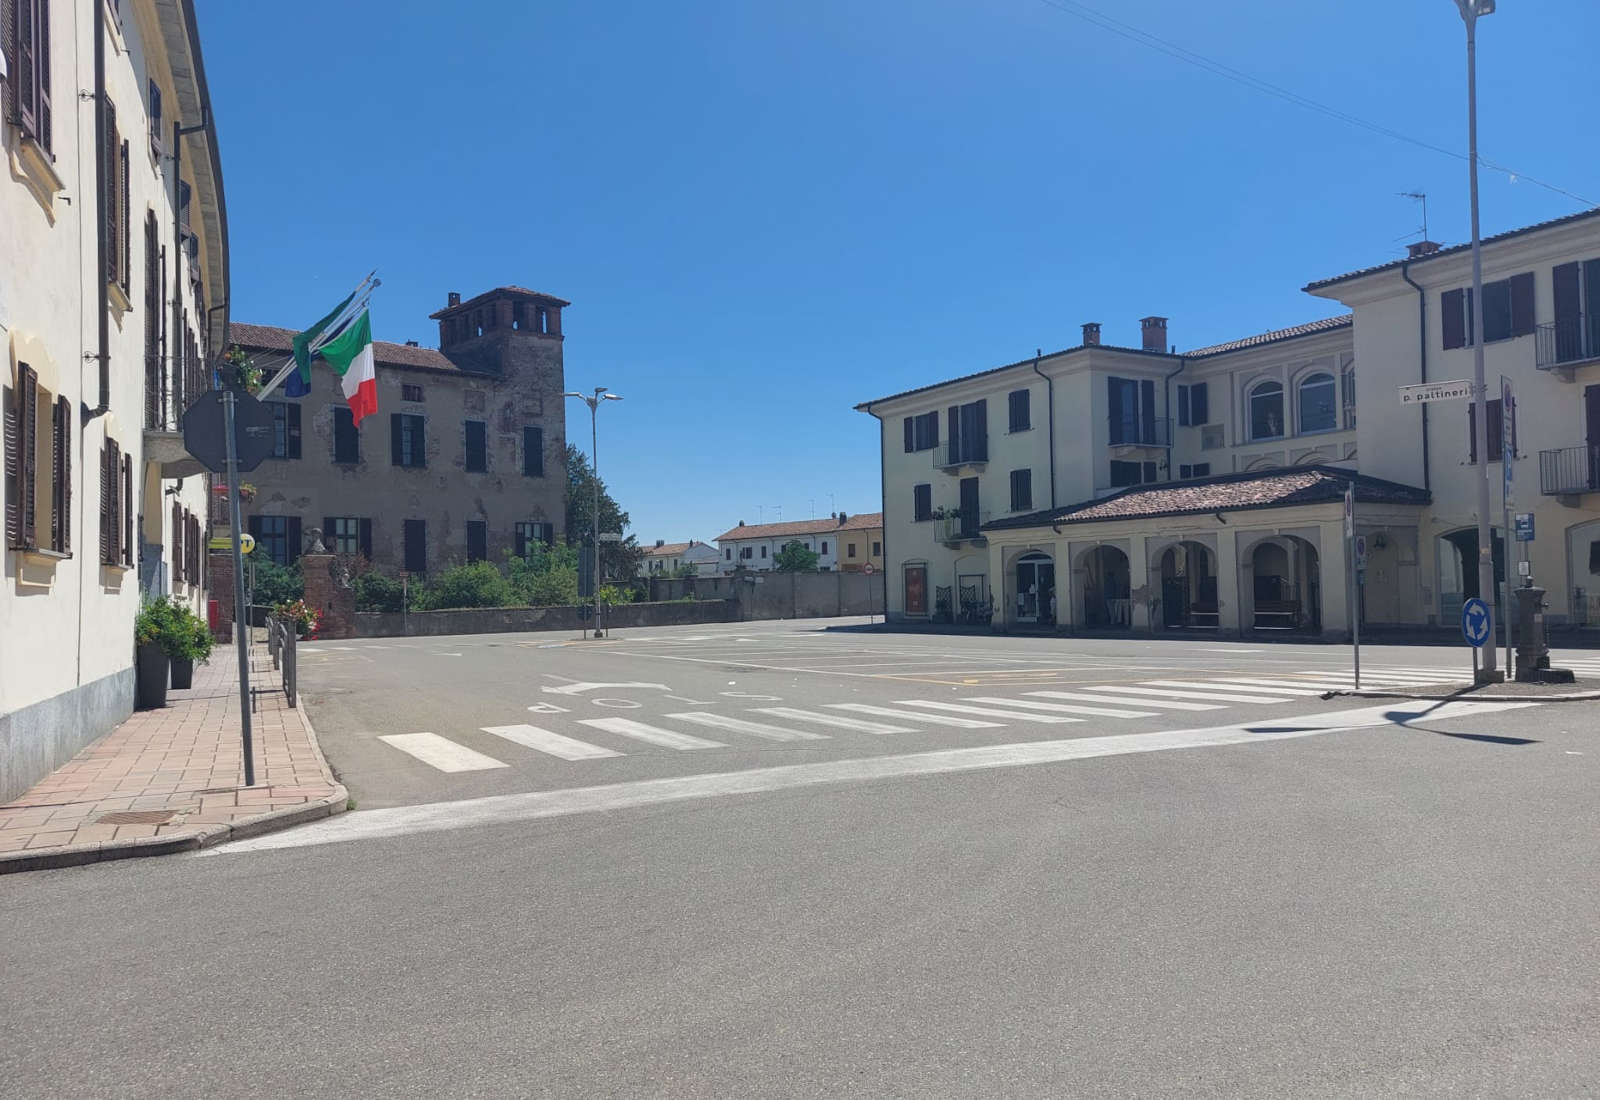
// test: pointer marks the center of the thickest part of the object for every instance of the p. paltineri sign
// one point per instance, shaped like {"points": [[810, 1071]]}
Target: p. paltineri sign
{"points": [[1437, 391]]}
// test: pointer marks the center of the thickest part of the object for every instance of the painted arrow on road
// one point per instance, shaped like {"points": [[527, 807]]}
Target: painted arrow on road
{"points": [[581, 687]]}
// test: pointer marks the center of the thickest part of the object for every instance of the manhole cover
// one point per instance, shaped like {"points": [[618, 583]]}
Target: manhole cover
{"points": [[141, 817]]}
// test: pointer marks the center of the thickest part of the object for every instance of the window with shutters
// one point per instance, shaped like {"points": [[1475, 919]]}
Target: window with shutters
{"points": [[1496, 422], [155, 120], [921, 502], [532, 451], [195, 557], [285, 429], [176, 526], [922, 432], [155, 368], [61, 477], [272, 537], [342, 534], [1125, 474], [528, 533], [1021, 490], [415, 534], [407, 441], [116, 506], [346, 437], [1507, 311], [1193, 406], [1021, 410], [477, 446], [110, 152], [877, 549], [1198, 469], [26, 43], [38, 467], [477, 540], [409, 392]]}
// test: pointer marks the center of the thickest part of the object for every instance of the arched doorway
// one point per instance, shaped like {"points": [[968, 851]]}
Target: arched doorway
{"points": [[1583, 574], [1458, 569], [1286, 584], [1188, 587], [1106, 577], [1036, 588]]}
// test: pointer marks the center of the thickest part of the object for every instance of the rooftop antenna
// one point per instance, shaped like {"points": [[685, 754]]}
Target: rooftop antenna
{"points": [[1422, 197]]}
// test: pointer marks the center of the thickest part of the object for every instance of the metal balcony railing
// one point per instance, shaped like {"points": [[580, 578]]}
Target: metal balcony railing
{"points": [[961, 452], [1141, 431], [961, 526], [1568, 471], [1567, 342]]}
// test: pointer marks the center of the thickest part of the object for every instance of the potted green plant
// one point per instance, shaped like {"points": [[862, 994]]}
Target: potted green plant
{"points": [[152, 634], [191, 642]]}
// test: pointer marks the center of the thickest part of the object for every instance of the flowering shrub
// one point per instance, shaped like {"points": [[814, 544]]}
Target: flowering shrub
{"points": [[307, 619]]}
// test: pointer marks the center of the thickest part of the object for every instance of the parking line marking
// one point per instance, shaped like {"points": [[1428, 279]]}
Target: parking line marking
{"points": [[754, 729], [554, 744], [651, 735], [442, 753]]}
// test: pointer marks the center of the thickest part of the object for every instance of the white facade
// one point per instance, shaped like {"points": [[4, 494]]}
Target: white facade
{"points": [[71, 590], [978, 499], [667, 558], [755, 547]]}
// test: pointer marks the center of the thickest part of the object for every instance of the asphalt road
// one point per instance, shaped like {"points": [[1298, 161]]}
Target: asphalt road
{"points": [[1331, 904]]}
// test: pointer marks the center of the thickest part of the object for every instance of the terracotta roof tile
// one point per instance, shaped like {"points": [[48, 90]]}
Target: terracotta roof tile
{"points": [[1310, 328], [866, 521], [1228, 493], [271, 338], [670, 549], [478, 299]]}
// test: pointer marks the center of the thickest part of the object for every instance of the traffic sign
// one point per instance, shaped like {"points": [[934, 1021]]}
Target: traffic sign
{"points": [[1361, 551], [1524, 526], [868, 569], [247, 543], [205, 438], [1437, 391], [1475, 622]]}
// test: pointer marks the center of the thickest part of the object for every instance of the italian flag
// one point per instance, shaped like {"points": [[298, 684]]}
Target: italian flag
{"points": [[350, 356]]}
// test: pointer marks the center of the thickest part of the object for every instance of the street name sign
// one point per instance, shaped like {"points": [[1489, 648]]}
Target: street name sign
{"points": [[1475, 622], [1437, 391], [1524, 526]]}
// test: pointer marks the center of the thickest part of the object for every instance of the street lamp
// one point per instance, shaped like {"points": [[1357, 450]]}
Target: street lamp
{"points": [[593, 402], [1470, 11]]}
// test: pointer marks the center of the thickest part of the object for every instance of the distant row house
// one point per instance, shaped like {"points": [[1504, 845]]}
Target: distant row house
{"points": [[846, 543], [1139, 488], [671, 558]]}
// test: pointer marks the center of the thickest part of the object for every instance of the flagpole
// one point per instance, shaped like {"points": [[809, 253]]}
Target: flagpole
{"points": [[359, 300]]}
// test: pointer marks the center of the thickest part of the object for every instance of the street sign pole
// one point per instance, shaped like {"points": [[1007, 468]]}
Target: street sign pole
{"points": [[240, 628], [1353, 599], [1508, 453]]}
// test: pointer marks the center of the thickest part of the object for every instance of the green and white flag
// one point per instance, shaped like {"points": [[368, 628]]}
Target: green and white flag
{"points": [[350, 356]]}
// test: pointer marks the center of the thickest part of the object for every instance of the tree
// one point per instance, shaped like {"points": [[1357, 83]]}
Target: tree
{"points": [[795, 558], [617, 559], [546, 577]]}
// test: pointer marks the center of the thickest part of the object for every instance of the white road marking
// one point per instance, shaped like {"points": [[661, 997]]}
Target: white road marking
{"points": [[986, 712], [1152, 688], [651, 735], [439, 752], [437, 654], [554, 744], [1138, 698], [834, 720], [534, 805], [1063, 708], [1260, 687], [580, 686], [1224, 690], [925, 719], [754, 729]]}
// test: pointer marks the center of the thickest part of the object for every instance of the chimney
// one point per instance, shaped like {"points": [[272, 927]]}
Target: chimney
{"points": [[1091, 334], [1154, 331], [453, 299], [661, 542], [741, 523], [842, 518], [412, 344], [1418, 249]]}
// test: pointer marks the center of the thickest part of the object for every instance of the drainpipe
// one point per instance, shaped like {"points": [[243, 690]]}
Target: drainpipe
{"points": [[883, 498], [1422, 360], [1050, 389], [179, 132], [102, 181]]}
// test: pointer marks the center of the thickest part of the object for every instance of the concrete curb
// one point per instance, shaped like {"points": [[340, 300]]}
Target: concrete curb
{"points": [[1462, 697], [335, 802]]}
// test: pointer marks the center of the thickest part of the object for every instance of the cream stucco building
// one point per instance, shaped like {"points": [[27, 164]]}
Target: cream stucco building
{"points": [[1138, 488], [113, 294]]}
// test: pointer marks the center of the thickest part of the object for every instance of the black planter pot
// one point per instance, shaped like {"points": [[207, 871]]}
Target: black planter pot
{"points": [[150, 677], [182, 672]]}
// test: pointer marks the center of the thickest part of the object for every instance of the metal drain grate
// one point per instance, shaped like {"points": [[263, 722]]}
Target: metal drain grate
{"points": [[141, 817]]}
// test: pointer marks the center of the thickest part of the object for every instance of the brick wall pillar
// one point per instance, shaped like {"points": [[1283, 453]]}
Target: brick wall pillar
{"points": [[324, 592], [222, 593]]}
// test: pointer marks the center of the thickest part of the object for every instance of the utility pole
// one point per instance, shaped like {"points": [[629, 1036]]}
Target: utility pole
{"points": [[1487, 673], [241, 629], [593, 402]]}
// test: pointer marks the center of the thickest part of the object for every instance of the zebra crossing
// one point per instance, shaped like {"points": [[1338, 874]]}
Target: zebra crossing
{"points": [[698, 730]]}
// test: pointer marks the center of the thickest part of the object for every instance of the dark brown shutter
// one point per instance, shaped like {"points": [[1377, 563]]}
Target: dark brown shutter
{"points": [[108, 151], [293, 414], [64, 411], [327, 535], [105, 505], [364, 537], [23, 44], [127, 510], [13, 470], [396, 456], [46, 111], [1453, 317], [910, 425], [124, 166], [1522, 304], [27, 402], [1199, 404], [13, 51], [57, 513], [293, 527], [177, 541], [1496, 430]]}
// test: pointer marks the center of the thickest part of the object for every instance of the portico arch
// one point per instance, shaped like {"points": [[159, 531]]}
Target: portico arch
{"points": [[1106, 587]]}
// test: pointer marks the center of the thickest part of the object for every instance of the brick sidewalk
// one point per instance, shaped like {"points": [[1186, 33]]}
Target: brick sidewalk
{"points": [[173, 778]]}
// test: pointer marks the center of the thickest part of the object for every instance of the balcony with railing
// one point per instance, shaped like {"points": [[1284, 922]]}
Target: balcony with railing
{"points": [[962, 525], [953, 455], [1567, 343], [1141, 431], [1569, 471]]}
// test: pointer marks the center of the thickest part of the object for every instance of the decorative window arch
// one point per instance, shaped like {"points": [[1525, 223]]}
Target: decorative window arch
{"points": [[1265, 408], [1317, 402]]}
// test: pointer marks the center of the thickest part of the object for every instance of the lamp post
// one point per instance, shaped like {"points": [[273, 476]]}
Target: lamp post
{"points": [[593, 402], [1487, 673]]}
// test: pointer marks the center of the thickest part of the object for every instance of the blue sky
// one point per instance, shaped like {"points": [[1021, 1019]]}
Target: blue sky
{"points": [[764, 213]]}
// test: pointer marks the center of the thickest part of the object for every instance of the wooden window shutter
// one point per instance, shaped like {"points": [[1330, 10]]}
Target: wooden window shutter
{"points": [[396, 456], [127, 510], [292, 411], [1522, 304], [105, 505], [108, 151], [124, 166], [177, 541], [327, 535], [26, 401], [364, 537], [57, 512], [1199, 405], [18, 55], [910, 426], [63, 487], [293, 527], [41, 15], [1453, 318], [13, 470]]}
